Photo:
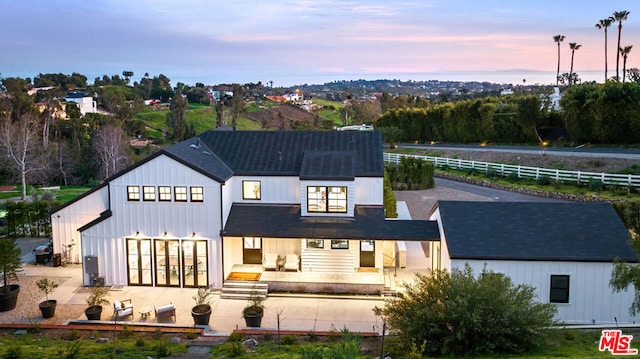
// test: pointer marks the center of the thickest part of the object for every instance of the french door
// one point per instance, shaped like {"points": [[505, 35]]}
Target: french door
{"points": [[367, 253], [139, 261]]}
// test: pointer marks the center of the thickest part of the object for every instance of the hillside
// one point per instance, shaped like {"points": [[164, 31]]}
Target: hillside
{"points": [[285, 118]]}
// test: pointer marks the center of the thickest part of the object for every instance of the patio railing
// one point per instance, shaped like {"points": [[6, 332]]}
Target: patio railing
{"points": [[504, 170]]}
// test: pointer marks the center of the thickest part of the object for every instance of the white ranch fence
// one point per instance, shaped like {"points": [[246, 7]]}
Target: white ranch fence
{"points": [[505, 170]]}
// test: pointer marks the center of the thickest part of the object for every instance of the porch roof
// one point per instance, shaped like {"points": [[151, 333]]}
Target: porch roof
{"points": [[285, 221]]}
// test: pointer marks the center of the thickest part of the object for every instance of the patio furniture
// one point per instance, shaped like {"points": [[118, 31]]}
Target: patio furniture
{"points": [[291, 262], [122, 308], [165, 312], [145, 312], [269, 261]]}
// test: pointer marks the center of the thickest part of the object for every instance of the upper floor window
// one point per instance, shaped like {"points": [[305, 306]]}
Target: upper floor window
{"points": [[148, 193], [180, 194], [250, 189], [559, 292], [164, 193], [197, 194], [327, 199], [339, 244], [133, 193]]}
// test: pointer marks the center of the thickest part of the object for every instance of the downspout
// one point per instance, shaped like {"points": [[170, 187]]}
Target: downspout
{"points": [[221, 237]]}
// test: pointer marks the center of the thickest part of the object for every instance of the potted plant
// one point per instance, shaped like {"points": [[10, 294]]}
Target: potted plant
{"points": [[254, 310], [10, 265], [48, 307], [95, 301], [201, 312]]}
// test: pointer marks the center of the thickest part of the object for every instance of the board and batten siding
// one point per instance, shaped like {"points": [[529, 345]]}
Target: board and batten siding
{"points": [[591, 300], [369, 191], [66, 221], [273, 190], [180, 220]]}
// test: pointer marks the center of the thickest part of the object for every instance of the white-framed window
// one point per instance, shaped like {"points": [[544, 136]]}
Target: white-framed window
{"points": [[148, 193], [251, 190], [133, 193], [197, 194], [252, 242], [180, 193], [164, 193], [559, 288], [327, 199]]}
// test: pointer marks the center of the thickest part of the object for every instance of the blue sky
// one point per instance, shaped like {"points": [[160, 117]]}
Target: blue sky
{"points": [[296, 42]]}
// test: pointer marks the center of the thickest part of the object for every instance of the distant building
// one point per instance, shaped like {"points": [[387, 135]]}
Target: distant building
{"points": [[84, 102]]}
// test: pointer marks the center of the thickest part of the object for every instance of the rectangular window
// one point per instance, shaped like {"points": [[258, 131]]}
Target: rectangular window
{"points": [[559, 292], [164, 193], [180, 194], [339, 244], [252, 242], [197, 194], [148, 193], [250, 189], [327, 199], [315, 243], [133, 193]]}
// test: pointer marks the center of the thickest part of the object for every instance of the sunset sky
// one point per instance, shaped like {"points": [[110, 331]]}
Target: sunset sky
{"points": [[296, 42]]}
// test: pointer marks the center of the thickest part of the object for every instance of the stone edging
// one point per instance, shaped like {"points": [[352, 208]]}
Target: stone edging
{"points": [[527, 191]]}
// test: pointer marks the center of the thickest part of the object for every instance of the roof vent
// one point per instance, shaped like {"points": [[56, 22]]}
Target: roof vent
{"points": [[195, 145], [279, 156], [206, 153]]}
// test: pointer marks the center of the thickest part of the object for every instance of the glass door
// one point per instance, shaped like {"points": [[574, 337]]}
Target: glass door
{"points": [[194, 263], [167, 262], [139, 261], [251, 250], [367, 253]]}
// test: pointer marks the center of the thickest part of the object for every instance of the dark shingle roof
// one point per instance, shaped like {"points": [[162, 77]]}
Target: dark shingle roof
{"points": [[328, 165], [534, 231], [280, 153], [284, 221]]}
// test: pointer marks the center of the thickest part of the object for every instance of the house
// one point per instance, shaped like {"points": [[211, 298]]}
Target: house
{"points": [[84, 102], [564, 250], [306, 202]]}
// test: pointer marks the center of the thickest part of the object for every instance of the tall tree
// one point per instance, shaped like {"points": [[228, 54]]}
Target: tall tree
{"points": [[619, 16], [573, 46], [558, 39], [237, 104], [179, 129], [624, 51], [19, 143], [110, 148], [605, 24]]}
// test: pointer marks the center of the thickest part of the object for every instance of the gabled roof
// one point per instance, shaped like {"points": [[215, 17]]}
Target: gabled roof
{"points": [[285, 221], [542, 231], [336, 165], [281, 153]]}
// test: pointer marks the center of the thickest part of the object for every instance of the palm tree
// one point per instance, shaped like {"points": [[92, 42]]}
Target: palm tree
{"points": [[604, 24], [558, 39], [619, 16], [624, 52], [573, 46]]}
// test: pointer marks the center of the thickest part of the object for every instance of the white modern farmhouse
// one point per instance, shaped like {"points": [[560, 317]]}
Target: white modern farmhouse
{"points": [[564, 250], [299, 210]]}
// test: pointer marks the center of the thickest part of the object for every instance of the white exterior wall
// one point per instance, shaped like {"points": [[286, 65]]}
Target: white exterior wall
{"points": [[369, 191], [85, 104], [273, 189], [445, 261], [66, 221], [106, 240], [591, 300]]}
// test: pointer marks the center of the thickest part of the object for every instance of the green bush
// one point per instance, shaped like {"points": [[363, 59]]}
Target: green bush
{"points": [[289, 340], [235, 337], [459, 313], [596, 185], [513, 177], [543, 181], [13, 351]]}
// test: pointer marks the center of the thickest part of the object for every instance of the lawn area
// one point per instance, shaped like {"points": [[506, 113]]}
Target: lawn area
{"points": [[331, 110]]}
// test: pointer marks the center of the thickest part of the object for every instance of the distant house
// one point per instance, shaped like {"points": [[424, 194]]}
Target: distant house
{"points": [[564, 250], [84, 102]]}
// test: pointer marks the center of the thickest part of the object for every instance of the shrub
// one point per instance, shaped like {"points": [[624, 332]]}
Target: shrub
{"points": [[491, 174], [513, 177], [468, 315], [596, 185], [289, 340], [140, 342], [162, 349], [543, 181], [13, 351], [235, 337]]}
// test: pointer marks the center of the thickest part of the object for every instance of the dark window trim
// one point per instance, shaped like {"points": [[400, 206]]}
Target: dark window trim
{"points": [[326, 199], [130, 193], [339, 240], [559, 294], [144, 194], [321, 241], [160, 199], [258, 196], [175, 193], [193, 195]]}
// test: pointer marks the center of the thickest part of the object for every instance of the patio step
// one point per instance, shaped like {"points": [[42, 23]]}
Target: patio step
{"points": [[243, 289]]}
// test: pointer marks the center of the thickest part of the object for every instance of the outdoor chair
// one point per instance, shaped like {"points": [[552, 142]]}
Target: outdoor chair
{"points": [[122, 308], [166, 312], [269, 261], [291, 262]]}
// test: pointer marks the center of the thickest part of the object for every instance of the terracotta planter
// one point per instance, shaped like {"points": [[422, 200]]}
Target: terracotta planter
{"points": [[48, 308], [9, 299], [94, 312], [201, 314]]}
